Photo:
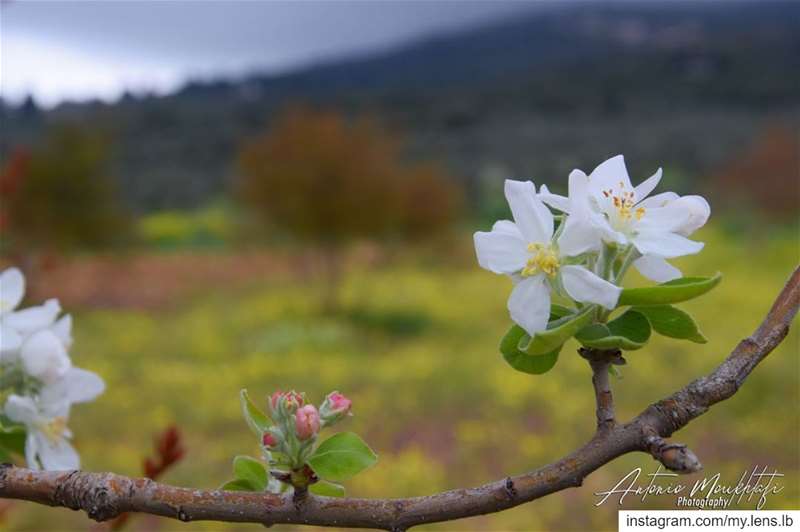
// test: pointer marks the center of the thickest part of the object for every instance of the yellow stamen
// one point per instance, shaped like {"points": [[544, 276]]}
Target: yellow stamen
{"points": [[624, 204], [54, 429], [544, 260]]}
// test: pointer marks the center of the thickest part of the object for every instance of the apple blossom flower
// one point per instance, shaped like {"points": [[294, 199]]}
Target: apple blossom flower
{"points": [[307, 422], [45, 418], [656, 226], [47, 440], [527, 251]]}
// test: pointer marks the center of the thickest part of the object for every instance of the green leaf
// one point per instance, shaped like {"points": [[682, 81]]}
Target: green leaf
{"points": [[12, 439], [250, 470], [522, 361], [328, 489], [673, 322], [341, 456], [673, 291], [256, 419], [627, 332], [558, 332], [238, 485]]}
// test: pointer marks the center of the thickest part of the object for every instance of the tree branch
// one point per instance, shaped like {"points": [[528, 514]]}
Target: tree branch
{"points": [[104, 495]]}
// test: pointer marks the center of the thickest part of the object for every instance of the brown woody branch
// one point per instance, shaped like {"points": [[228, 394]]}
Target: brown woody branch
{"points": [[105, 495]]}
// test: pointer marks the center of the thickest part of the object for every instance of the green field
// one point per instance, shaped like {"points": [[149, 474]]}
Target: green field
{"points": [[415, 346]]}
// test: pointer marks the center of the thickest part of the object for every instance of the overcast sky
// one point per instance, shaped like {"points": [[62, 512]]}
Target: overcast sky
{"points": [[75, 50]]}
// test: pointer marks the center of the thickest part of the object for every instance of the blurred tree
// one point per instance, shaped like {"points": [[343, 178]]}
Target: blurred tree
{"points": [[766, 176], [58, 196], [328, 181]]}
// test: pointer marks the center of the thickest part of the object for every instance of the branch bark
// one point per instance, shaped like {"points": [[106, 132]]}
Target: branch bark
{"points": [[104, 495]]}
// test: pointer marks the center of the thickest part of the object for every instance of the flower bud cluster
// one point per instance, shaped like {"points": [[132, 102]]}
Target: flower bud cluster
{"points": [[297, 424]]}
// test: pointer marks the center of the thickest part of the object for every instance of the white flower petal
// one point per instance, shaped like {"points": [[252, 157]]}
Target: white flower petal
{"points": [[659, 200], [33, 319], [579, 193], [12, 289], [579, 236], [666, 219], [57, 455], [21, 409], [500, 251], [656, 269], [644, 188], [699, 211], [559, 203], [609, 174], [663, 244], [10, 342], [586, 287], [529, 304], [508, 227], [533, 219], [44, 356], [76, 386], [32, 451], [608, 233], [63, 329]]}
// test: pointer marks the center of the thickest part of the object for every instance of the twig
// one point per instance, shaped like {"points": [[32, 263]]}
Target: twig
{"points": [[601, 361], [105, 495]]}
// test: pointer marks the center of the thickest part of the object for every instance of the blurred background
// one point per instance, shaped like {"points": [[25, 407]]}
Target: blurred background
{"points": [[283, 195]]}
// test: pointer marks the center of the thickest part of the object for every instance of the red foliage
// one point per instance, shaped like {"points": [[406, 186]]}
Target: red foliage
{"points": [[169, 450]]}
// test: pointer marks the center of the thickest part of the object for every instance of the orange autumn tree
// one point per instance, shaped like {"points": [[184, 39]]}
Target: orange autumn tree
{"points": [[328, 180]]}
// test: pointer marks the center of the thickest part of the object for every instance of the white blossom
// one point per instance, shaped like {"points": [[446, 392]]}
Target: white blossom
{"points": [[526, 250], [656, 226], [47, 436]]}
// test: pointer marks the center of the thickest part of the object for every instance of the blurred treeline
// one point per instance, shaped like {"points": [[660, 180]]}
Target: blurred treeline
{"points": [[402, 143]]}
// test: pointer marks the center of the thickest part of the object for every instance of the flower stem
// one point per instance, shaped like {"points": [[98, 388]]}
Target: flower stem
{"points": [[630, 255]]}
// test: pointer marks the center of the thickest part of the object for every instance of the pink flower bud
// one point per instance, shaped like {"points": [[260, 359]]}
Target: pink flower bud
{"points": [[268, 440], [306, 422], [291, 401], [274, 400], [339, 403]]}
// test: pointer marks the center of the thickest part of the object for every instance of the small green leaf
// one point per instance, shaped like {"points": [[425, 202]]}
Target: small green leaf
{"points": [[256, 419], [558, 332], [250, 470], [238, 485], [328, 489], [673, 322], [522, 361], [673, 291], [12, 439], [341, 456], [628, 332]]}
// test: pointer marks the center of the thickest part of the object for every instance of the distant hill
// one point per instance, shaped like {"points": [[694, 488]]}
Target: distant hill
{"points": [[681, 84]]}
